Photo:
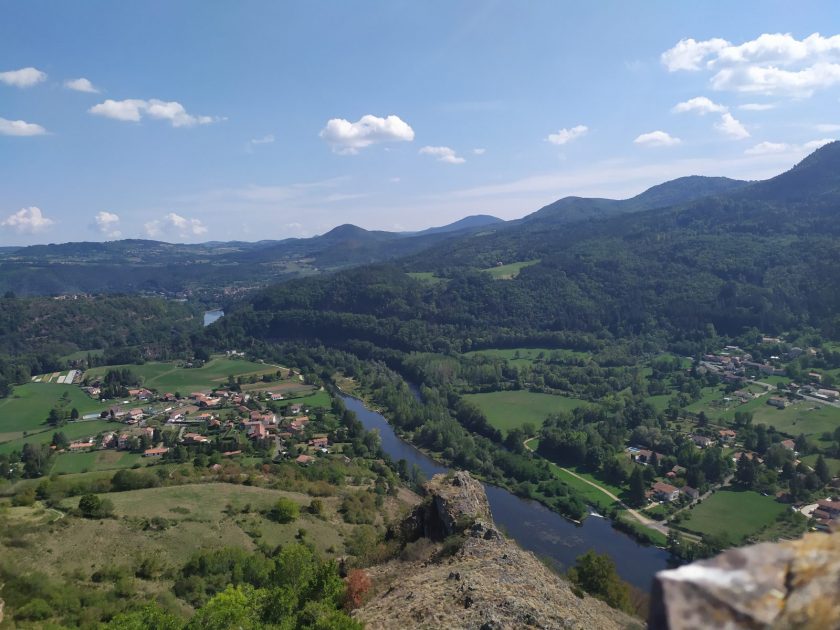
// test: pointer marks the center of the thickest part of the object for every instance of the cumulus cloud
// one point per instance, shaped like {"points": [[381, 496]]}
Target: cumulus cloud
{"points": [[172, 222], [133, 110], [27, 220], [23, 78], [443, 154], [81, 85], [699, 104], [732, 127], [108, 223], [347, 137], [564, 136], [756, 107], [773, 63], [657, 139], [20, 128]]}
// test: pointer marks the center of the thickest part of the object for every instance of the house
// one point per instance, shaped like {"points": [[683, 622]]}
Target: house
{"points": [[124, 441], [258, 432], [815, 376], [196, 438], [319, 442], [231, 453], [701, 441], [778, 402], [298, 423], [136, 413], [727, 435], [740, 454], [109, 440], [691, 493], [829, 393], [665, 492], [295, 409], [155, 452], [276, 396], [304, 460], [789, 445], [81, 446]]}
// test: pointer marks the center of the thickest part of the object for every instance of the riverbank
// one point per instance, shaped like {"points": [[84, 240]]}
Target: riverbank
{"points": [[529, 522]]}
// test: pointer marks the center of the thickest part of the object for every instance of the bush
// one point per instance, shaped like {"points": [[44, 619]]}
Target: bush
{"points": [[358, 586], [92, 506], [285, 511]]}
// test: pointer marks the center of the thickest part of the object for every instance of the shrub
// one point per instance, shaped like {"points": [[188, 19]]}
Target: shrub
{"points": [[285, 511], [358, 586]]}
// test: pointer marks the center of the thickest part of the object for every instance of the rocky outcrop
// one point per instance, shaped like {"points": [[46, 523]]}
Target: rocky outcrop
{"points": [[794, 584], [488, 583]]}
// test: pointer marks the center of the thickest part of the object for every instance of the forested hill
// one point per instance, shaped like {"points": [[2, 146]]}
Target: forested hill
{"points": [[769, 258]]}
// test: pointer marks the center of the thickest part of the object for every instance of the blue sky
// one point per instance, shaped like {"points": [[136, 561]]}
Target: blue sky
{"points": [[196, 121]]}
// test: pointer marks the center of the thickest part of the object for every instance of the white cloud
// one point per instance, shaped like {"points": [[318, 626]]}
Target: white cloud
{"points": [[768, 148], [347, 138], [268, 139], [756, 107], [81, 85], [27, 220], [108, 223], [688, 54], [479, 151], [567, 135], [827, 128], [184, 227], [20, 128], [657, 139], [133, 109], [774, 63], [732, 127], [23, 78], [443, 154], [152, 228], [700, 104]]}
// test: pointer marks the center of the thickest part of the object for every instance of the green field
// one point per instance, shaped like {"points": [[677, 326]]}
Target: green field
{"points": [[733, 514], [523, 357], [95, 460], [314, 400], [803, 416], [426, 276], [510, 271], [30, 404], [507, 410], [168, 377], [833, 464], [72, 430]]}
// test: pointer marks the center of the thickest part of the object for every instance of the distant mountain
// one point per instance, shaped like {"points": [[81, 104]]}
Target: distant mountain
{"points": [[815, 177], [674, 192], [472, 222]]}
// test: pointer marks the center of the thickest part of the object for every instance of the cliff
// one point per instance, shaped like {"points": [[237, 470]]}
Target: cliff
{"points": [[487, 583], [793, 584]]}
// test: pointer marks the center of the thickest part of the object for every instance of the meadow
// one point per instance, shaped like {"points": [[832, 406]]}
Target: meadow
{"points": [[169, 377], [95, 460], [523, 357], [509, 271], [511, 409], [30, 404], [72, 430], [733, 514], [803, 416]]}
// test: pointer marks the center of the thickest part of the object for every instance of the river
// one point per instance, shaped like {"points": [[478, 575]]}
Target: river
{"points": [[531, 524], [212, 316]]}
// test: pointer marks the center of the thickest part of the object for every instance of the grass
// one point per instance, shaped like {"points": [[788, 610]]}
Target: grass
{"points": [[30, 404], [833, 464], [426, 276], [588, 493], [524, 357], [314, 400], [72, 430], [95, 460], [803, 416], [511, 409], [733, 514], [168, 377], [509, 271]]}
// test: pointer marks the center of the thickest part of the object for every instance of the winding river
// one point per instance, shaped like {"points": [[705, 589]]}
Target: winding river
{"points": [[531, 524]]}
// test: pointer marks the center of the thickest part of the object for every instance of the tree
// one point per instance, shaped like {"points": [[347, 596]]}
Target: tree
{"points": [[637, 487], [358, 585], [59, 440], [822, 471], [595, 573], [285, 510], [74, 414], [745, 473], [91, 506]]}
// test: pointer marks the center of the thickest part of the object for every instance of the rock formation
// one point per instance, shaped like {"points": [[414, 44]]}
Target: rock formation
{"points": [[488, 583], [793, 584]]}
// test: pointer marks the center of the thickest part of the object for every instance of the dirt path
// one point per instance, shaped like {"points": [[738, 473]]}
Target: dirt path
{"points": [[644, 520]]}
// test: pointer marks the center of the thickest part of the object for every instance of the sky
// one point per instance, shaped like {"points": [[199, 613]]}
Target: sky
{"points": [[203, 120]]}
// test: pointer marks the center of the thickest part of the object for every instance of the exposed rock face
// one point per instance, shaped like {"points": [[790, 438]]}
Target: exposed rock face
{"points": [[488, 584], [784, 585]]}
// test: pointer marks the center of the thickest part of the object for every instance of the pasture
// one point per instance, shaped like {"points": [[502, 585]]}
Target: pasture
{"points": [[72, 430], [95, 460], [511, 409], [733, 514], [803, 416], [30, 404], [509, 271], [523, 357], [169, 377]]}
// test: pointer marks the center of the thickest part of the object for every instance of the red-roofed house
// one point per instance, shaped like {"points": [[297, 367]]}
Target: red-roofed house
{"points": [[665, 492]]}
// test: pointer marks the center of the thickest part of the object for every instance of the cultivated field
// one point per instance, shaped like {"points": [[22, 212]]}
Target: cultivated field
{"points": [[30, 404], [733, 514], [72, 430], [169, 377], [511, 409], [96, 460]]}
